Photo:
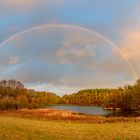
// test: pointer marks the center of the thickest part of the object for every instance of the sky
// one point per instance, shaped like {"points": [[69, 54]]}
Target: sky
{"points": [[63, 46]]}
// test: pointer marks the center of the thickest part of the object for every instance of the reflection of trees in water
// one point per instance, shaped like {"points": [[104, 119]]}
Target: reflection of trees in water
{"points": [[125, 112]]}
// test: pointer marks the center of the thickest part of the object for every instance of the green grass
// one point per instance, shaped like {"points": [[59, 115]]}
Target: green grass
{"points": [[12, 128]]}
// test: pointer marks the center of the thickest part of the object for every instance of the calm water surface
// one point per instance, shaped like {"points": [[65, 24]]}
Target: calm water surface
{"points": [[96, 110]]}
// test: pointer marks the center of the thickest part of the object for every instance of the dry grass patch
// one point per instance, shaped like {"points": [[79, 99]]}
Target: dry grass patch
{"points": [[54, 114]]}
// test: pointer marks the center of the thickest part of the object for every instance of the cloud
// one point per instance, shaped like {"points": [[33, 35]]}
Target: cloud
{"points": [[130, 47], [129, 34], [131, 44], [69, 53], [60, 90], [30, 3], [68, 58], [13, 60], [62, 58], [18, 4]]}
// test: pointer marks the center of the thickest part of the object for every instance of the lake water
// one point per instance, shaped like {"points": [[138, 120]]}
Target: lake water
{"points": [[96, 110]]}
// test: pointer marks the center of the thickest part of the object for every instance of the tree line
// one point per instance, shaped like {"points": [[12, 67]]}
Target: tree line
{"points": [[13, 95], [127, 97]]}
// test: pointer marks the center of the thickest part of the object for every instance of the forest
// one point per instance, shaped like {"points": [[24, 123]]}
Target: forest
{"points": [[13, 95], [127, 97]]}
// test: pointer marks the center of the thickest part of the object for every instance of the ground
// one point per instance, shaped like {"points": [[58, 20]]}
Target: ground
{"points": [[13, 128]]}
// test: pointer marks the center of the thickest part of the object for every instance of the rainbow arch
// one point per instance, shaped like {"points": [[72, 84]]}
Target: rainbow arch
{"points": [[48, 26]]}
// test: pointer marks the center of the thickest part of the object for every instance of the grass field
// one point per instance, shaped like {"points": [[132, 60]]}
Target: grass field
{"points": [[12, 128]]}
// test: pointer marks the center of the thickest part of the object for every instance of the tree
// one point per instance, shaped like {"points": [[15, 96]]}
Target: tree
{"points": [[11, 83]]}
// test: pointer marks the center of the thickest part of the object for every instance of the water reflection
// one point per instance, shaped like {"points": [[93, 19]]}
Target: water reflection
{"points": [[95, 110]]}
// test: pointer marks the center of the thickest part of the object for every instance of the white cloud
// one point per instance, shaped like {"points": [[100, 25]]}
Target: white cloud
{"points": [[60, 90], [69, 53]]}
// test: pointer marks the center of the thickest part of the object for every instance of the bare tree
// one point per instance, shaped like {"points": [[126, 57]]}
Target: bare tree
{"points": [[11, 83]]}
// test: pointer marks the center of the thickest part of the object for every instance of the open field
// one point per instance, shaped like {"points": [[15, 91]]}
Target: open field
{"points": [[12, 128]]}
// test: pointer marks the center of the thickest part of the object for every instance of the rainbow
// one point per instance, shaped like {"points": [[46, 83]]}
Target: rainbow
{"points": [[69, 26]]}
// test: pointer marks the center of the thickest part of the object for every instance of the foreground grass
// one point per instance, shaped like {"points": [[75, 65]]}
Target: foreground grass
{"points": [[12, 128]]}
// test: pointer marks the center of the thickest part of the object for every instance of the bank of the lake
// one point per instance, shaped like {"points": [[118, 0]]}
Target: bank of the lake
{"points": [[67, 116]]}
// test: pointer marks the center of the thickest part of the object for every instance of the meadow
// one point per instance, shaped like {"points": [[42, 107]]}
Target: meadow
{"points": [[13, 128]]}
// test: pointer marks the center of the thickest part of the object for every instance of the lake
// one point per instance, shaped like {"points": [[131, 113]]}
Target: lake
{"points": [[95, 110]]}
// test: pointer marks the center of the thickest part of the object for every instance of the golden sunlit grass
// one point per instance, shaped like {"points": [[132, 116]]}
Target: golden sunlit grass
{"points": [[12, 128]]}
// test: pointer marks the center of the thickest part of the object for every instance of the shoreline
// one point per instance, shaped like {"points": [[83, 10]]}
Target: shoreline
{"points": [[65, 115]]}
